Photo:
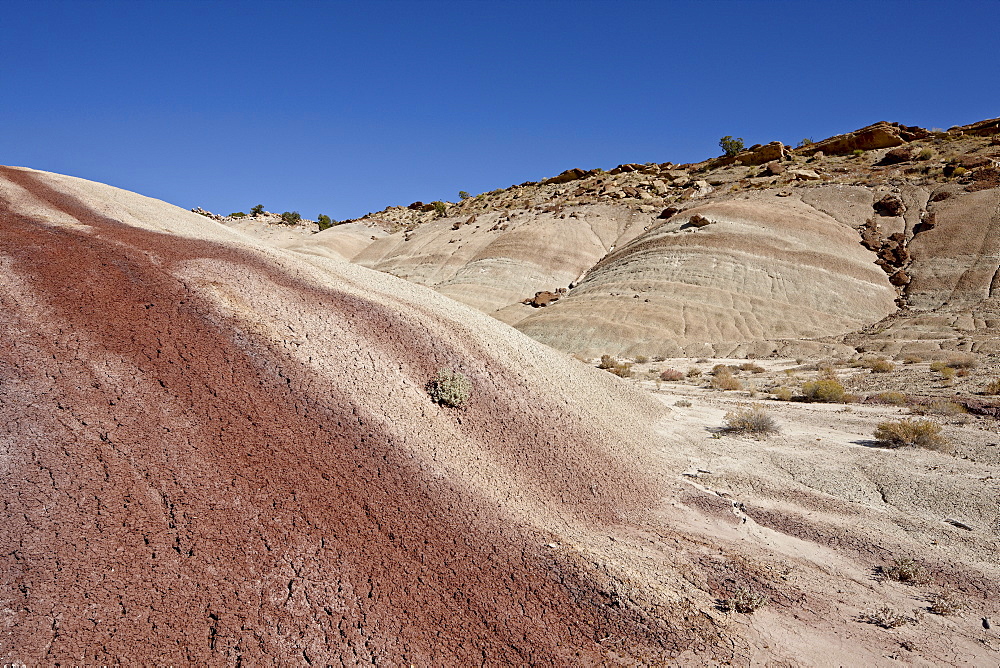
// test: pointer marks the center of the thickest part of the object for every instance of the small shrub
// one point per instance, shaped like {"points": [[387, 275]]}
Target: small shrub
{"points": [[893, 398], [911, 433], [857, 153], [694, 372], [291, 217], [725, 381], [887, 618], [881, 365], [724, 369], [641, 359], [324, 222], [238, 214], [257, 210], [671, 375], [450, 388], [962, 361], [682, 403], [912, 359], [440, 208], [463, 194], [906, 570], [782, 393], [731, 146], [744, 600], [925, 154], [944, 603], [992, 387], [937, 365], [751, 367], [944, 407], [607, 362], [622, 370], [824, 390], [754, 421]]}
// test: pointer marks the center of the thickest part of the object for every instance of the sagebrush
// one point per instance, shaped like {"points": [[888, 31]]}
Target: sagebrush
{"points": [[450, 388]]}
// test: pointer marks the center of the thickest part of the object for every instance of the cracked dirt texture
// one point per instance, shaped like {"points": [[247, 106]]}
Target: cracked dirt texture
{"points": [[220, 453]]}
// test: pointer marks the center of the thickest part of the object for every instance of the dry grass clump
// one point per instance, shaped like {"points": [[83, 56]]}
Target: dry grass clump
{"points": [[887, 618], [641, 359], [906, 570], [937, 365], [912, 359], [992, 387], [910, 433], [743, 600], [962, 361], [450, 388], [753, 421], [694, 372], [881, 365], [892, 398], [683, 403], [782, 393], [751, 367], [620, 369], [722, 379], [671, 375], [945, 603], [824, 390]]}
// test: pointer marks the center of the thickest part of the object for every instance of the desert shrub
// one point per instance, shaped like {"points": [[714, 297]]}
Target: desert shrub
{"points": [[912, 359], [731, 146], [857, 153], [450, 388], [887, 618], [824, 390], [724, 369], [257, 210], [607, 362], [753, 420], [725, 381], [440, 207], [925, 154], [641, 359], [743, 600], [937, 365], [906, 570], [621, 369], [944, 407], [671, 375], [238, 214], [782, 393], [992, 387], [324, 222], [894, 398], [912, 433], [962, 361], [881, 365], [694, 372], [463, 194], [683, 403], [944, 603], [291, 217], [751, 367]]}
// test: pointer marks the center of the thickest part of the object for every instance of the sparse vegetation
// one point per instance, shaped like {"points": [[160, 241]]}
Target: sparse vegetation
{"points": [[887, 618], [879, 365], [450, 388], [682, 403], [722, 379], [238, 214], [962, 361], [992, 387], [824, 390], [291, 217], [694, 372], [440, 208], [910, 433], [744, 600], [944, 603], [944, 407], [324, 222], [782, 393], [671, 375], [753, 420], [906, 570], [641, 359], [912, 359], [751, 367], [731, 146], [463, 194], [620, 369], [893, 398], [257, 210]]}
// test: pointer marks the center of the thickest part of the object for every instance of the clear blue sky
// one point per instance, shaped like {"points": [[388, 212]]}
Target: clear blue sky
{"points": [[346, 107]]}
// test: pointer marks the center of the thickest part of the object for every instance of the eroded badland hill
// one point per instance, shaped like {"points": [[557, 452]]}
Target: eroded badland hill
{"points": [[226, 446]]}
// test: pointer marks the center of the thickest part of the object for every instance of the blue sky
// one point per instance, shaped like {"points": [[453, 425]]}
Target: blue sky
{"points": [[347, 107]]}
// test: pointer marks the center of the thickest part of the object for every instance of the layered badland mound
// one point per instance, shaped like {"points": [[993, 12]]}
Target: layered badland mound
{"points": [[219, 451], [748, 254]]}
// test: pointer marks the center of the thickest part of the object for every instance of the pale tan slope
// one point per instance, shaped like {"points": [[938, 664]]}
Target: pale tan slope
{"points": [[498, 259], [766, 268], [344, 241]]}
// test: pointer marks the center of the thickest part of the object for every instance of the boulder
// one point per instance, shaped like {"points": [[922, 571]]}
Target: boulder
{"points": [[773, 169], [541, 299], [890, 205], [804, 174], [897, 155], [879, 135], [567, 176], [762, 154]]}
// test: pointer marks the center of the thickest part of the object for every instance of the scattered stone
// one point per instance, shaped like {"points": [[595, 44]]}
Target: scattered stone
{"points": [[773, 169], [804, 174], [890, 205]]}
